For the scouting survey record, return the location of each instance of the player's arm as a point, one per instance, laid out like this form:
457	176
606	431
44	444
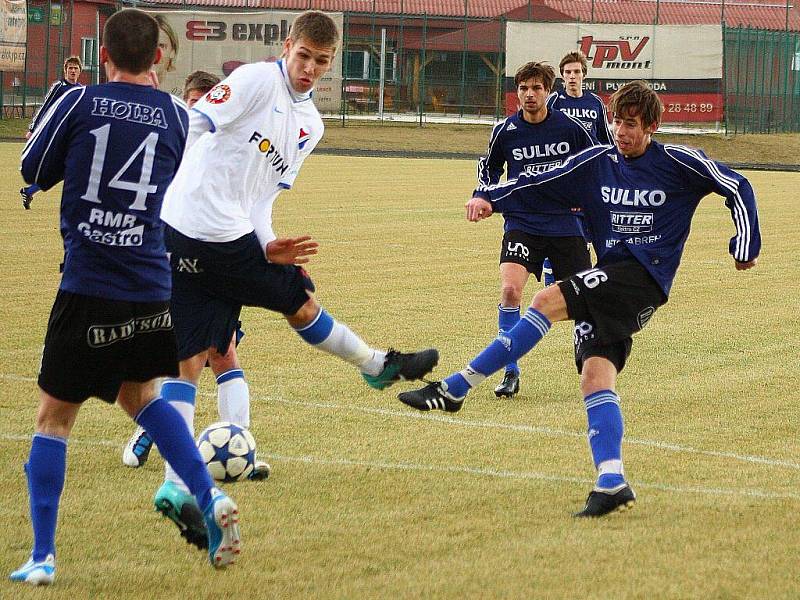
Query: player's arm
711	176
567	185
51	96
604	135
43	156
235	96
491	166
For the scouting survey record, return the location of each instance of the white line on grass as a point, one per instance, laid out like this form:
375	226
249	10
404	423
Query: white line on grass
549	431
466	470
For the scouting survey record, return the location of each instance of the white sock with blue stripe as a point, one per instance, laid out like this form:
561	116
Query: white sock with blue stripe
333	337
508	348
233	398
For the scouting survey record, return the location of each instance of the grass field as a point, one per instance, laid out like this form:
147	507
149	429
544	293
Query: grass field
371	500
782	149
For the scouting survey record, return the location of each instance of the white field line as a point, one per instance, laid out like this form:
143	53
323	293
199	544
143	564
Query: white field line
460	421
465	470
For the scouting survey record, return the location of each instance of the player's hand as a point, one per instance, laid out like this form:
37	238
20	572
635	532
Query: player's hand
28	135
291	251
743	266
477	209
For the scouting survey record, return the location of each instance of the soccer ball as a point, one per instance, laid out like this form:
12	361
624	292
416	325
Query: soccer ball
228	450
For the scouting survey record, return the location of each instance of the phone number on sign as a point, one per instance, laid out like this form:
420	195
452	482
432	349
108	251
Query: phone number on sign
692	107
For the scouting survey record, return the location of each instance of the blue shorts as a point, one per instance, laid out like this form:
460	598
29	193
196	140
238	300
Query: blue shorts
211	281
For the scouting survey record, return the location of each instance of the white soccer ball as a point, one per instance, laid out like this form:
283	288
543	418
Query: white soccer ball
228	450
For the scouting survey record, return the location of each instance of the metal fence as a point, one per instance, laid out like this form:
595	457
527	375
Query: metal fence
401	60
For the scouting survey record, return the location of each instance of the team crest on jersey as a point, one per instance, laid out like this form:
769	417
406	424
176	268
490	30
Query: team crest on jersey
219	94
304	137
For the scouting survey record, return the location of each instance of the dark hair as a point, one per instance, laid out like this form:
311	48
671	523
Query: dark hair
130	37
636	98
536	70
574	57
316	27
73	60
199	80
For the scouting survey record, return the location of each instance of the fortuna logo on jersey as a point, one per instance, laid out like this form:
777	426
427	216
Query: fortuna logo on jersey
304	137
271	153
219	94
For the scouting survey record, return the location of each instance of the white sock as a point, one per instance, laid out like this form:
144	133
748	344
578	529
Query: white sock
186	410
345	344
233	398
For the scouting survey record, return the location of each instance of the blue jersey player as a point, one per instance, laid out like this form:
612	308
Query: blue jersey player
116	147
586	107
639	199
72	72
534	140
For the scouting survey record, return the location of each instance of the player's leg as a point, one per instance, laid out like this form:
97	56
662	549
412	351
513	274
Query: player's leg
174	498
233	393
605	430
176	444
380	369
548	306
233	396
513	277
27	193
45	469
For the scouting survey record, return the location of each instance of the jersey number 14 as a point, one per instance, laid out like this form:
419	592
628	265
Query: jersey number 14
141	187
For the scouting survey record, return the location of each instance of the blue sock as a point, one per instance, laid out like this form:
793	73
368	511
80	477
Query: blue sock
605	436
228	375
32	189
531	328
46	467
169	432
507	317
547	273
318	330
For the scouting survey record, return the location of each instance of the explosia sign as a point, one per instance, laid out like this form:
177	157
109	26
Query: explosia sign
220	42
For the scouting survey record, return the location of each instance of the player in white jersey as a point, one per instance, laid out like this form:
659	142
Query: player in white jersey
248	138
233	393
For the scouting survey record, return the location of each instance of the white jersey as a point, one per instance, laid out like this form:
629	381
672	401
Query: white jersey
260	132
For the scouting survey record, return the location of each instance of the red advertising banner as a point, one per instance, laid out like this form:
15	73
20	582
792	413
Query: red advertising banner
678	108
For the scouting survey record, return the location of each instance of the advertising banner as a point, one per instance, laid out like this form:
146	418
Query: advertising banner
683	63
13	34
219	42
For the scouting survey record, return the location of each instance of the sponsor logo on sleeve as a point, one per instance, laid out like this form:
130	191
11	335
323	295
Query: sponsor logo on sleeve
219	93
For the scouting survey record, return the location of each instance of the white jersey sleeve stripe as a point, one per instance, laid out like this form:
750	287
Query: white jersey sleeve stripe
76	95
483	174
179	105
740	216
569	165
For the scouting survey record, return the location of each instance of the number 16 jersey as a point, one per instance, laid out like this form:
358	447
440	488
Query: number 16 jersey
117	147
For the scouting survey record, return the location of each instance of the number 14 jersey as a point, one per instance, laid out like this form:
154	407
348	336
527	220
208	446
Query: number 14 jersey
116	146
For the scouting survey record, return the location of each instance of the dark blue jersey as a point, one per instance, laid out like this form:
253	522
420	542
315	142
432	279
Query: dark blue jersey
117	147
588	109
641	207
517	147
54	93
